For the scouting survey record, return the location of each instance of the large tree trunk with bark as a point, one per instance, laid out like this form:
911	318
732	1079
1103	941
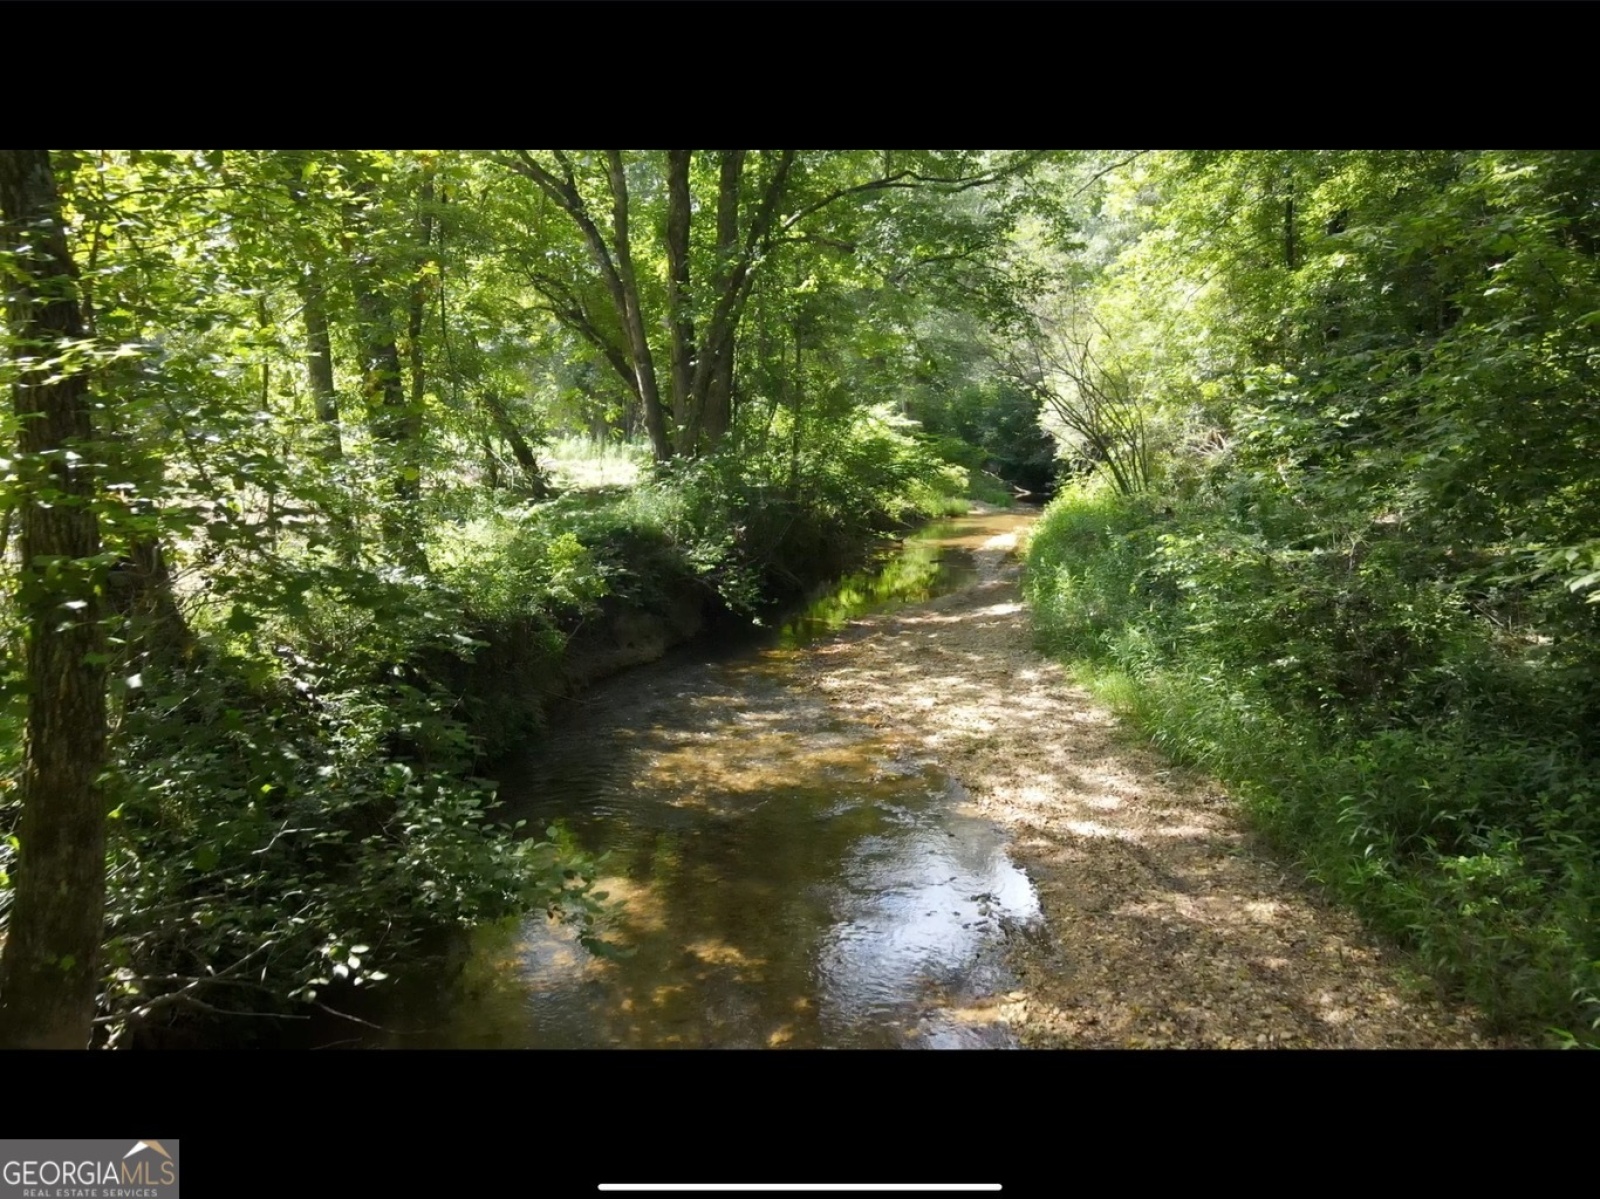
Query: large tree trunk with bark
48	973
680	324
627	298
313	288
395	422
418	305
396	425
319	360
702	327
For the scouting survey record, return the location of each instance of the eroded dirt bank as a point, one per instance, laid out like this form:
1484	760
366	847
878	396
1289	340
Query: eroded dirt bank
1164	925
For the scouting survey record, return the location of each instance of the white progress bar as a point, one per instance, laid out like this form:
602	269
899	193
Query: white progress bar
800	1186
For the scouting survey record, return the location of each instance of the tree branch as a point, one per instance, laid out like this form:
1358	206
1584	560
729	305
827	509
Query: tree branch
909	178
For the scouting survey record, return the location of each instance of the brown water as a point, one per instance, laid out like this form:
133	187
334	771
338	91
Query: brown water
786	876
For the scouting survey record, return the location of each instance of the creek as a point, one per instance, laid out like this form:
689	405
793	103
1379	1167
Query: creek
784	875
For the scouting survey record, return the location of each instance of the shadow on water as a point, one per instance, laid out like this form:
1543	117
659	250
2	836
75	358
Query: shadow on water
785	875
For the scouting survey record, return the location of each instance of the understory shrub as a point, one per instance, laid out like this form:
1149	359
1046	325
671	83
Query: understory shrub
1425	769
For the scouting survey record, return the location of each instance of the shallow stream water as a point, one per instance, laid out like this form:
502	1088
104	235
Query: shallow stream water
786	876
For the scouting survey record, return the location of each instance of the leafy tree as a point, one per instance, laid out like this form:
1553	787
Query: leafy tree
48	975
333	565
588	208
1362	588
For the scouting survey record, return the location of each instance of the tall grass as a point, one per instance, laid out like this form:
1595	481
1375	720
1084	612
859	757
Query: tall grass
587	463
1367	723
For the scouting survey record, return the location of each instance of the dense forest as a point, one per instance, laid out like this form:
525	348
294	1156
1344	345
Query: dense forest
332	477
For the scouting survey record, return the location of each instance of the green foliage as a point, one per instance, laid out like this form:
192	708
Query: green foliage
769	517
348	549
510	564
371	452
993	430
1365	720
1361	593
300	786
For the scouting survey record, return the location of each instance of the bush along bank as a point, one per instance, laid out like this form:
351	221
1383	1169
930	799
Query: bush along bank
1442	780
563	593
300	807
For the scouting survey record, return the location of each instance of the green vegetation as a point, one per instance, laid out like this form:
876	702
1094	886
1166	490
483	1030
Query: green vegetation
333	469
328	472
1351	567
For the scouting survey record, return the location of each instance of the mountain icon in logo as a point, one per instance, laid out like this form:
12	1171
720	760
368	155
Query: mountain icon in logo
155	1145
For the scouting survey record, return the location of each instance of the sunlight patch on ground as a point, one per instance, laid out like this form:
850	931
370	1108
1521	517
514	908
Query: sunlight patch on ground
998	610
1092	828
584	464
667	992
1165	927
1188	832
720	953
641	908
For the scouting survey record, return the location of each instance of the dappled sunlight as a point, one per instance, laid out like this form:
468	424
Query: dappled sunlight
1164	927
720	953
783	870
580	594
585	464
1092	828
997	610
812	845
640	908
733	777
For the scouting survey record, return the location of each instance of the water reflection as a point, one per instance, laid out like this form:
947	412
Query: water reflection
786	877
922	570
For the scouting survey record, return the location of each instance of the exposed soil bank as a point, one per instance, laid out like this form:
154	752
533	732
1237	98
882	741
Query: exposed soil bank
1164	924
525	670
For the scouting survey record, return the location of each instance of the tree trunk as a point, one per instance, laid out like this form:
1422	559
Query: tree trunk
538	487
797	385
48	974
680	326
319	360
394	425
692	428
139	589
713	376
715	400
627	295
718	403
1291	257
419	289
312	286
616	271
